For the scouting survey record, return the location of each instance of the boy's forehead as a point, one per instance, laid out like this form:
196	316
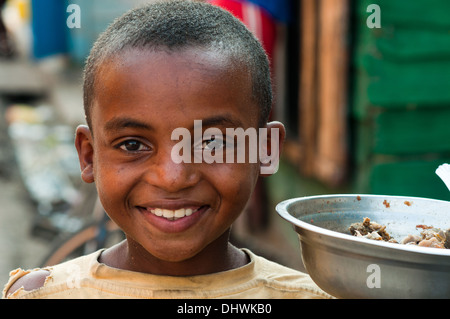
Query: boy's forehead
207	66
190	57
195	61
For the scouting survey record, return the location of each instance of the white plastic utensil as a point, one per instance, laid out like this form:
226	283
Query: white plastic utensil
443	171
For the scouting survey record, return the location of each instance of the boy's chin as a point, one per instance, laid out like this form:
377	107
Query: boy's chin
174	253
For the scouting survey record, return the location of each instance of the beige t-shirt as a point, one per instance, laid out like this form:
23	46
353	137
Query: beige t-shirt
85	277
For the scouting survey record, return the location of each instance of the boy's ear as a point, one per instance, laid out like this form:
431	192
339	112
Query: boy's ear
85	149
270	148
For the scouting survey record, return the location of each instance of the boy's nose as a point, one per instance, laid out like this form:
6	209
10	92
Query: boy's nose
170	176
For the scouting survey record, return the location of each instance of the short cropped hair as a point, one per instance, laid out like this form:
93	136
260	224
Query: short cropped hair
175	25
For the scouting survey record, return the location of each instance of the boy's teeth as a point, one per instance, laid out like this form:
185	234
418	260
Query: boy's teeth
180	213
168	213
172	214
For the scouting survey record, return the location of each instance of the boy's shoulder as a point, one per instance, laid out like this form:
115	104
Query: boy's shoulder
21	280
35	281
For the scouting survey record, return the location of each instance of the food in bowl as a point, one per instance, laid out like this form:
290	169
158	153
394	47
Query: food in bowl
428	237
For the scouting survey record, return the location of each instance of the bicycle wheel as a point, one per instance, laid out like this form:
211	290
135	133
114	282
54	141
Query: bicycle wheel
84	242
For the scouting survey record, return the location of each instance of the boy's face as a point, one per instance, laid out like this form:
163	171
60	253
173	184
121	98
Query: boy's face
142	97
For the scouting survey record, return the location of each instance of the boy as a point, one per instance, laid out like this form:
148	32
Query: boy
157	69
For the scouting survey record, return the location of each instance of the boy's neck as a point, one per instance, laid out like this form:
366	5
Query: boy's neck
218	256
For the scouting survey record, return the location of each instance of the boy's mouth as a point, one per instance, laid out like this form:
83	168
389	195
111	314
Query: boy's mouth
173	215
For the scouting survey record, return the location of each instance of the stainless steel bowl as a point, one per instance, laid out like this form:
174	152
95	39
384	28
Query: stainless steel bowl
350	267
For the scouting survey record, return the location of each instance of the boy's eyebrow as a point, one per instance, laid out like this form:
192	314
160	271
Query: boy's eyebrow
222	120
119	123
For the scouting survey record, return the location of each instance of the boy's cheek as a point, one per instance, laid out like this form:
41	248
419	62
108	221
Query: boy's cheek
236	179
233	171
112	180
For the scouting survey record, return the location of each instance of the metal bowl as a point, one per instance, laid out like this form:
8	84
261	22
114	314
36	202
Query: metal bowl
350	267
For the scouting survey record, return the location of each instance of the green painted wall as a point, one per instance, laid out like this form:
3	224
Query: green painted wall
401	97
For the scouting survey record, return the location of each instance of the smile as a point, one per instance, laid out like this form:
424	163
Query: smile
173	214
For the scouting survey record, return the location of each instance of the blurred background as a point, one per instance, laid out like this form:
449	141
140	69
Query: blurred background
363	87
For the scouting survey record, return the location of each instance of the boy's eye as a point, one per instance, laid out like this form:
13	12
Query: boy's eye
133	146
214	142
